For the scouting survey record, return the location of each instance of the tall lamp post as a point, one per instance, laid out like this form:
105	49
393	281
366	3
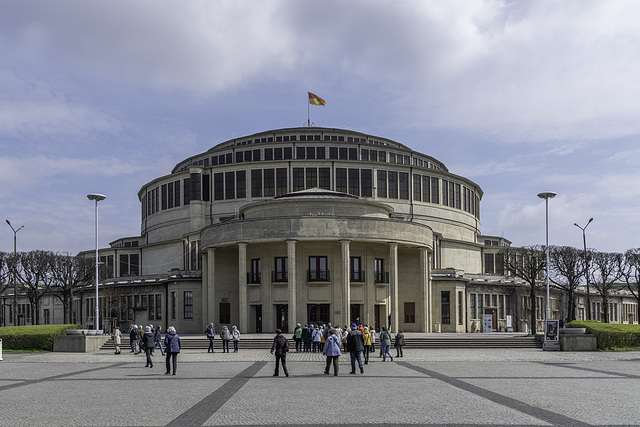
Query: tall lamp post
97	198
546	196
15	281
586	265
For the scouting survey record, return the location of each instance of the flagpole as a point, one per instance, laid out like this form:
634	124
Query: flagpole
308	115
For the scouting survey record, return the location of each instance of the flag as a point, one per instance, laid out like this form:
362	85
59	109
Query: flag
315	99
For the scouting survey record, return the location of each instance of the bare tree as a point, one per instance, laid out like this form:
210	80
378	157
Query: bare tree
35	277
526	263
115	300
631	272
567	269
69	273
605	272
5	273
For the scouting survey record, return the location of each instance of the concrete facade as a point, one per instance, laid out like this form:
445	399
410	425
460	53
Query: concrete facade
307	225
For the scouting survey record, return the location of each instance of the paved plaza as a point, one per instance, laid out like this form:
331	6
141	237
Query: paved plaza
426	387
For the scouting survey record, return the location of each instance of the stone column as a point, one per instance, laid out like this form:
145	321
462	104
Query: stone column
430	308
210	310
424	277
291	282
242	286
346	283
393	284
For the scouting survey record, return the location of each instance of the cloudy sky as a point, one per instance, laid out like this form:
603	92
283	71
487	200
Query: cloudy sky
520	97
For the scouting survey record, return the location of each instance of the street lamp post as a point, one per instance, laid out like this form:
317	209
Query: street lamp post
97	198
546	196
586	265
15	281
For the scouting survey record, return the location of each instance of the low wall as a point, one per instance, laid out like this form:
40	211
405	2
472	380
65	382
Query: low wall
79	343
578	342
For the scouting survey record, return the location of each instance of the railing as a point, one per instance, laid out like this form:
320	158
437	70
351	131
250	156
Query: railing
381	277
279	276
357	276
318	275
254	278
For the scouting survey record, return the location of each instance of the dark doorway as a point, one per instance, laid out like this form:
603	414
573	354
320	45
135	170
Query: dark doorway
377	317
258	317
282	317
225	313
355	313
318	314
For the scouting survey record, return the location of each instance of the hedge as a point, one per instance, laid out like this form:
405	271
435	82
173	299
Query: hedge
610	335
36	337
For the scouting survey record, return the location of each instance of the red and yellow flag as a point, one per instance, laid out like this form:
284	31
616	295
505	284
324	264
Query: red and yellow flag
315	99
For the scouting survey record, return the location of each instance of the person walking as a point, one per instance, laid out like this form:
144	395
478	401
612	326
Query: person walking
331	349
385	344
133	339
235	334
116	338
172	346
355	345
148	341
157	334
211	333
225	336
399	343
367	345
280	347
373	339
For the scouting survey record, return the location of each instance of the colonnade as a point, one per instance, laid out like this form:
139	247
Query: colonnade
210	287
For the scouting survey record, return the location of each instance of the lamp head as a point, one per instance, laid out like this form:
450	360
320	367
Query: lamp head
95	196
8	222
547	195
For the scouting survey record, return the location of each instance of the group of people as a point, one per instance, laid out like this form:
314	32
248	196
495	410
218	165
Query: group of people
357	340
225	336
148	341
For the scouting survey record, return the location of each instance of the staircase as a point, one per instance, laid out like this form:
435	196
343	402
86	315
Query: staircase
417	341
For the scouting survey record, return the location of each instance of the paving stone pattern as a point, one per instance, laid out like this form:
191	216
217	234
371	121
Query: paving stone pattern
426	387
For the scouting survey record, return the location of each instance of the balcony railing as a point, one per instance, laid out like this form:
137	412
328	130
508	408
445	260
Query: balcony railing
381	277
279	276
254	278
357	276
318	276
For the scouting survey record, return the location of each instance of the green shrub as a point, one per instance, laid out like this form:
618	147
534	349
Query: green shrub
36	337
610	335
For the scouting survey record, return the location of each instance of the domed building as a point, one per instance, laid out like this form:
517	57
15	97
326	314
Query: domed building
305	225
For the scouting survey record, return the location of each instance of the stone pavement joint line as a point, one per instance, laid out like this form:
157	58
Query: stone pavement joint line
550	417
58	377
199	413
599	371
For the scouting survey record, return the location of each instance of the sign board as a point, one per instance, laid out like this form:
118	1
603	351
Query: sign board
509	324
487	323
551	330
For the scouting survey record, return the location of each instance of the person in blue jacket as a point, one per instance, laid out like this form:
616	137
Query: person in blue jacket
172	346
332	350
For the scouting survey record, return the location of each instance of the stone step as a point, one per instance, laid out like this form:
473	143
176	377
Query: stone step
257	343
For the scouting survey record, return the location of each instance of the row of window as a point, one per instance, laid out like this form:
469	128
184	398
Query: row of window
479	303
128	265
318	271
275	182
312	152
